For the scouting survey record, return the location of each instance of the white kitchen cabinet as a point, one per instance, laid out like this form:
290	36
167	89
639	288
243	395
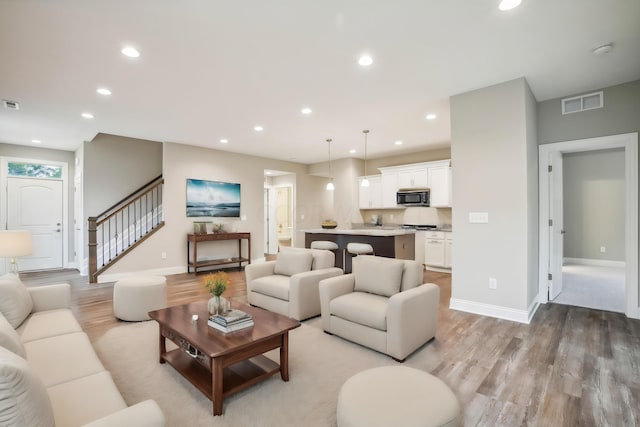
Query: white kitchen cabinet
437	251
389	190
434	252
448	244
413	177
440	186
371	196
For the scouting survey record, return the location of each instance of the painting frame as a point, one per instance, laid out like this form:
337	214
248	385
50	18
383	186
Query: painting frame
212	199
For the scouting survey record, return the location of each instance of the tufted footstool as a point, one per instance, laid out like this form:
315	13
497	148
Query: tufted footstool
397	396
135	296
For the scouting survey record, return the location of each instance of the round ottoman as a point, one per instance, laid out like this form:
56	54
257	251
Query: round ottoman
397	396
135	296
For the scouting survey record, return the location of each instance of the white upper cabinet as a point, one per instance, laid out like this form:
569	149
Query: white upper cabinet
413	177
371	196
440	185
389	190
433	175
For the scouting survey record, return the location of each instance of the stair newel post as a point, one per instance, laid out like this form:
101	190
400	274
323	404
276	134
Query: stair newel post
93	249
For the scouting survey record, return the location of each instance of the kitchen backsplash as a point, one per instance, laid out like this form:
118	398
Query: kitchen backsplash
410	215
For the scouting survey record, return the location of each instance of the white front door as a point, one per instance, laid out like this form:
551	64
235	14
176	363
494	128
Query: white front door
35	204
556	229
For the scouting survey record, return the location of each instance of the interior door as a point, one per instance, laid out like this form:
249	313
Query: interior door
556	229
271	227
35	204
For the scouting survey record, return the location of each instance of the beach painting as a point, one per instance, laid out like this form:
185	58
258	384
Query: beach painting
212	199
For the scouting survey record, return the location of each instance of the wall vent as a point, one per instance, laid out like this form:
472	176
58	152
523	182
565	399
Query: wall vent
586	102
10	105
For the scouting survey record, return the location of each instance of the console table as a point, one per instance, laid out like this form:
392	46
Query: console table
196	239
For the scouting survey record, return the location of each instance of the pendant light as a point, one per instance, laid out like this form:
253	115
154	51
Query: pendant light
330	186
365	181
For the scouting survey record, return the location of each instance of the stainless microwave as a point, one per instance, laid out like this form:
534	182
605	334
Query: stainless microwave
413	197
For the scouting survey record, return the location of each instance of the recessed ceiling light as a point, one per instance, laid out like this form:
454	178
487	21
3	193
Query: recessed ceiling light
431	116
267	173
353	151
103	91
224	141
509	4
365	60
602	49
36	141
131	52
87	115
258	128
306	110
398	142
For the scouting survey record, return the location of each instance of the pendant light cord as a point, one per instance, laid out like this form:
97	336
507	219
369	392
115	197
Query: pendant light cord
329	144
366	131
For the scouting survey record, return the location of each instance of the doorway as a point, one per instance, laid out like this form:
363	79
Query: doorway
35	200
558	279
279	225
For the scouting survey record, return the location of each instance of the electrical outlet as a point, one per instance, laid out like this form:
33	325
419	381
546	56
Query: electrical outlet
163	255
243	218
493	283
603	249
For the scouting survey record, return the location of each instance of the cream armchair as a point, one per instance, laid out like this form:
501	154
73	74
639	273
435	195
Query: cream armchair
289	285
382	305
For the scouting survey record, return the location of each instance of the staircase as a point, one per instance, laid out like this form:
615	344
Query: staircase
118	230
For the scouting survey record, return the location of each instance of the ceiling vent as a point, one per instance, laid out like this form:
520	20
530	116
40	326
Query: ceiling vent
589	101
10	105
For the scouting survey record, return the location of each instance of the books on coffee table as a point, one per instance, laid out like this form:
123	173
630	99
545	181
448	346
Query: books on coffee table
233	320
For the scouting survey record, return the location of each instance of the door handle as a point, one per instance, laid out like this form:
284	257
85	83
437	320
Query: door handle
58	230
562	231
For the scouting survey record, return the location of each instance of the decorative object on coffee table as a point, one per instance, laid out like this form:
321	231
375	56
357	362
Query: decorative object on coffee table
233	320
216	283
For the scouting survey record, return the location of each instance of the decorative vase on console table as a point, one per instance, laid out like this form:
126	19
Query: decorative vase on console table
216	283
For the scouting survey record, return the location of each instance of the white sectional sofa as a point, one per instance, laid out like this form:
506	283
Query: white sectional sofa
49	373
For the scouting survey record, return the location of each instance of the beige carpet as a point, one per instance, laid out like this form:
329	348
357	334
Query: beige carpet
318	366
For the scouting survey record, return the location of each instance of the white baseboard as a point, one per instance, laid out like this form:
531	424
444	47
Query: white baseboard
594	262
520	316
104	278
437	269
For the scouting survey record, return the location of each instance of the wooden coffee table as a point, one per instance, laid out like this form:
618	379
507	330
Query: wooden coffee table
220	364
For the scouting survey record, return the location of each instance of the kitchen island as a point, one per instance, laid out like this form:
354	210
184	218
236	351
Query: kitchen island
391	243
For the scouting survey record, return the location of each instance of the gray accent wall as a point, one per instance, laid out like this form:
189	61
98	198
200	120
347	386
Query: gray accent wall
620	114
594	201
114	167
494	156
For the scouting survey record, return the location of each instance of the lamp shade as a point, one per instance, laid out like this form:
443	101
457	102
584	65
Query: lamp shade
15	243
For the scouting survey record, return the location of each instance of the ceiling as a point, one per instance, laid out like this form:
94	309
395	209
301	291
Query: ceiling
215	69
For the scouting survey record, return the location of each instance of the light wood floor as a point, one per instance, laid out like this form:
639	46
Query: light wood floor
570	367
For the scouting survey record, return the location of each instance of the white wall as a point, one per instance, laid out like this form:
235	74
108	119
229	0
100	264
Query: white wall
184	161
491	150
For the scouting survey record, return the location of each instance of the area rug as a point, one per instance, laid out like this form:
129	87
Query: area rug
318	366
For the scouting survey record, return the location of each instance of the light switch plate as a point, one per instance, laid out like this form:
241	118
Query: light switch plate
478	217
